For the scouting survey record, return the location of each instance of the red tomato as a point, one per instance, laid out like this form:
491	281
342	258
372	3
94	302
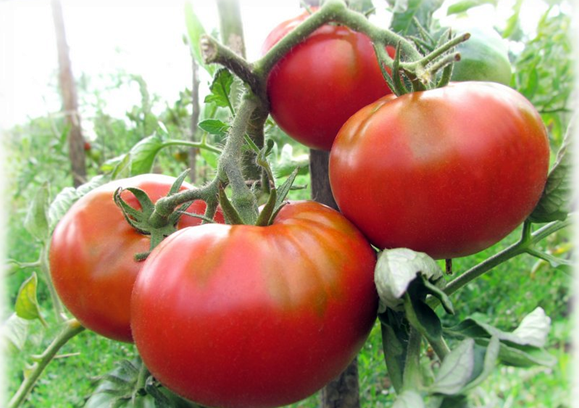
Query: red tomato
323	81
449	171
92	254
245	316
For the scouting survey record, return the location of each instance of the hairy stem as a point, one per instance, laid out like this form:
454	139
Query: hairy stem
71	329
518	248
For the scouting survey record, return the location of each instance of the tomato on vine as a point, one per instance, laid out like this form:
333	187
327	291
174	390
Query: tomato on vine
248	316
449	171
92	254
324	80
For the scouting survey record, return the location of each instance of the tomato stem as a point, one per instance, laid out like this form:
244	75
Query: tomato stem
527	240
72	328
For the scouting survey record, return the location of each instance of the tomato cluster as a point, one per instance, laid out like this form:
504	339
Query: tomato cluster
92	254
246	316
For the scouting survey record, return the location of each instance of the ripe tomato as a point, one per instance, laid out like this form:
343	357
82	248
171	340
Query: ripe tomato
449	171
323	81
245	316
92	254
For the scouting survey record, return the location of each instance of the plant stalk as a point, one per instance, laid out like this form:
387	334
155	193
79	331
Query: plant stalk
71	329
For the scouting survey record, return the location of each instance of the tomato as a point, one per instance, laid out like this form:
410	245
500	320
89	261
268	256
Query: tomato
484	57
449	171
323	81
92	254
237	316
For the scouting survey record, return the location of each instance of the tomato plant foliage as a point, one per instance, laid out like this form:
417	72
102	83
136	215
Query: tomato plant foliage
268	308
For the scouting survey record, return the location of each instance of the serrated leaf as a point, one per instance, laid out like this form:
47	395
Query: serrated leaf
397	268
456	369
532	331
143	154
406	11
465	5
36	221
13	334
195	30
214	127
557	199
220	88
409	399
26	305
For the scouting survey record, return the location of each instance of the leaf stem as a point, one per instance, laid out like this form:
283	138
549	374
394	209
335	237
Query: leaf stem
195	145
71	329
527	240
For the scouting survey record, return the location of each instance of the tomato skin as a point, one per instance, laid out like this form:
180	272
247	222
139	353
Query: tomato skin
92	254
484	57
324	80
449	171
245	316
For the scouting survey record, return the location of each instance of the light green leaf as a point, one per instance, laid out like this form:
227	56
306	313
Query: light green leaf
194	32
409	399
557	199
13	334
36	221
143	154
26	305
456	369
397	268
214	127
465	5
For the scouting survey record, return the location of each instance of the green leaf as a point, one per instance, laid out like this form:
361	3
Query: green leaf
211	158
36	221
397	268
409	399
522	348
465	5
220	88
522	356
13	334
556	201
214	127
287	163
456	369
405	12
26	305
513	24
489	357
532	331
121	168
194	32
394	344
421	316
143	154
